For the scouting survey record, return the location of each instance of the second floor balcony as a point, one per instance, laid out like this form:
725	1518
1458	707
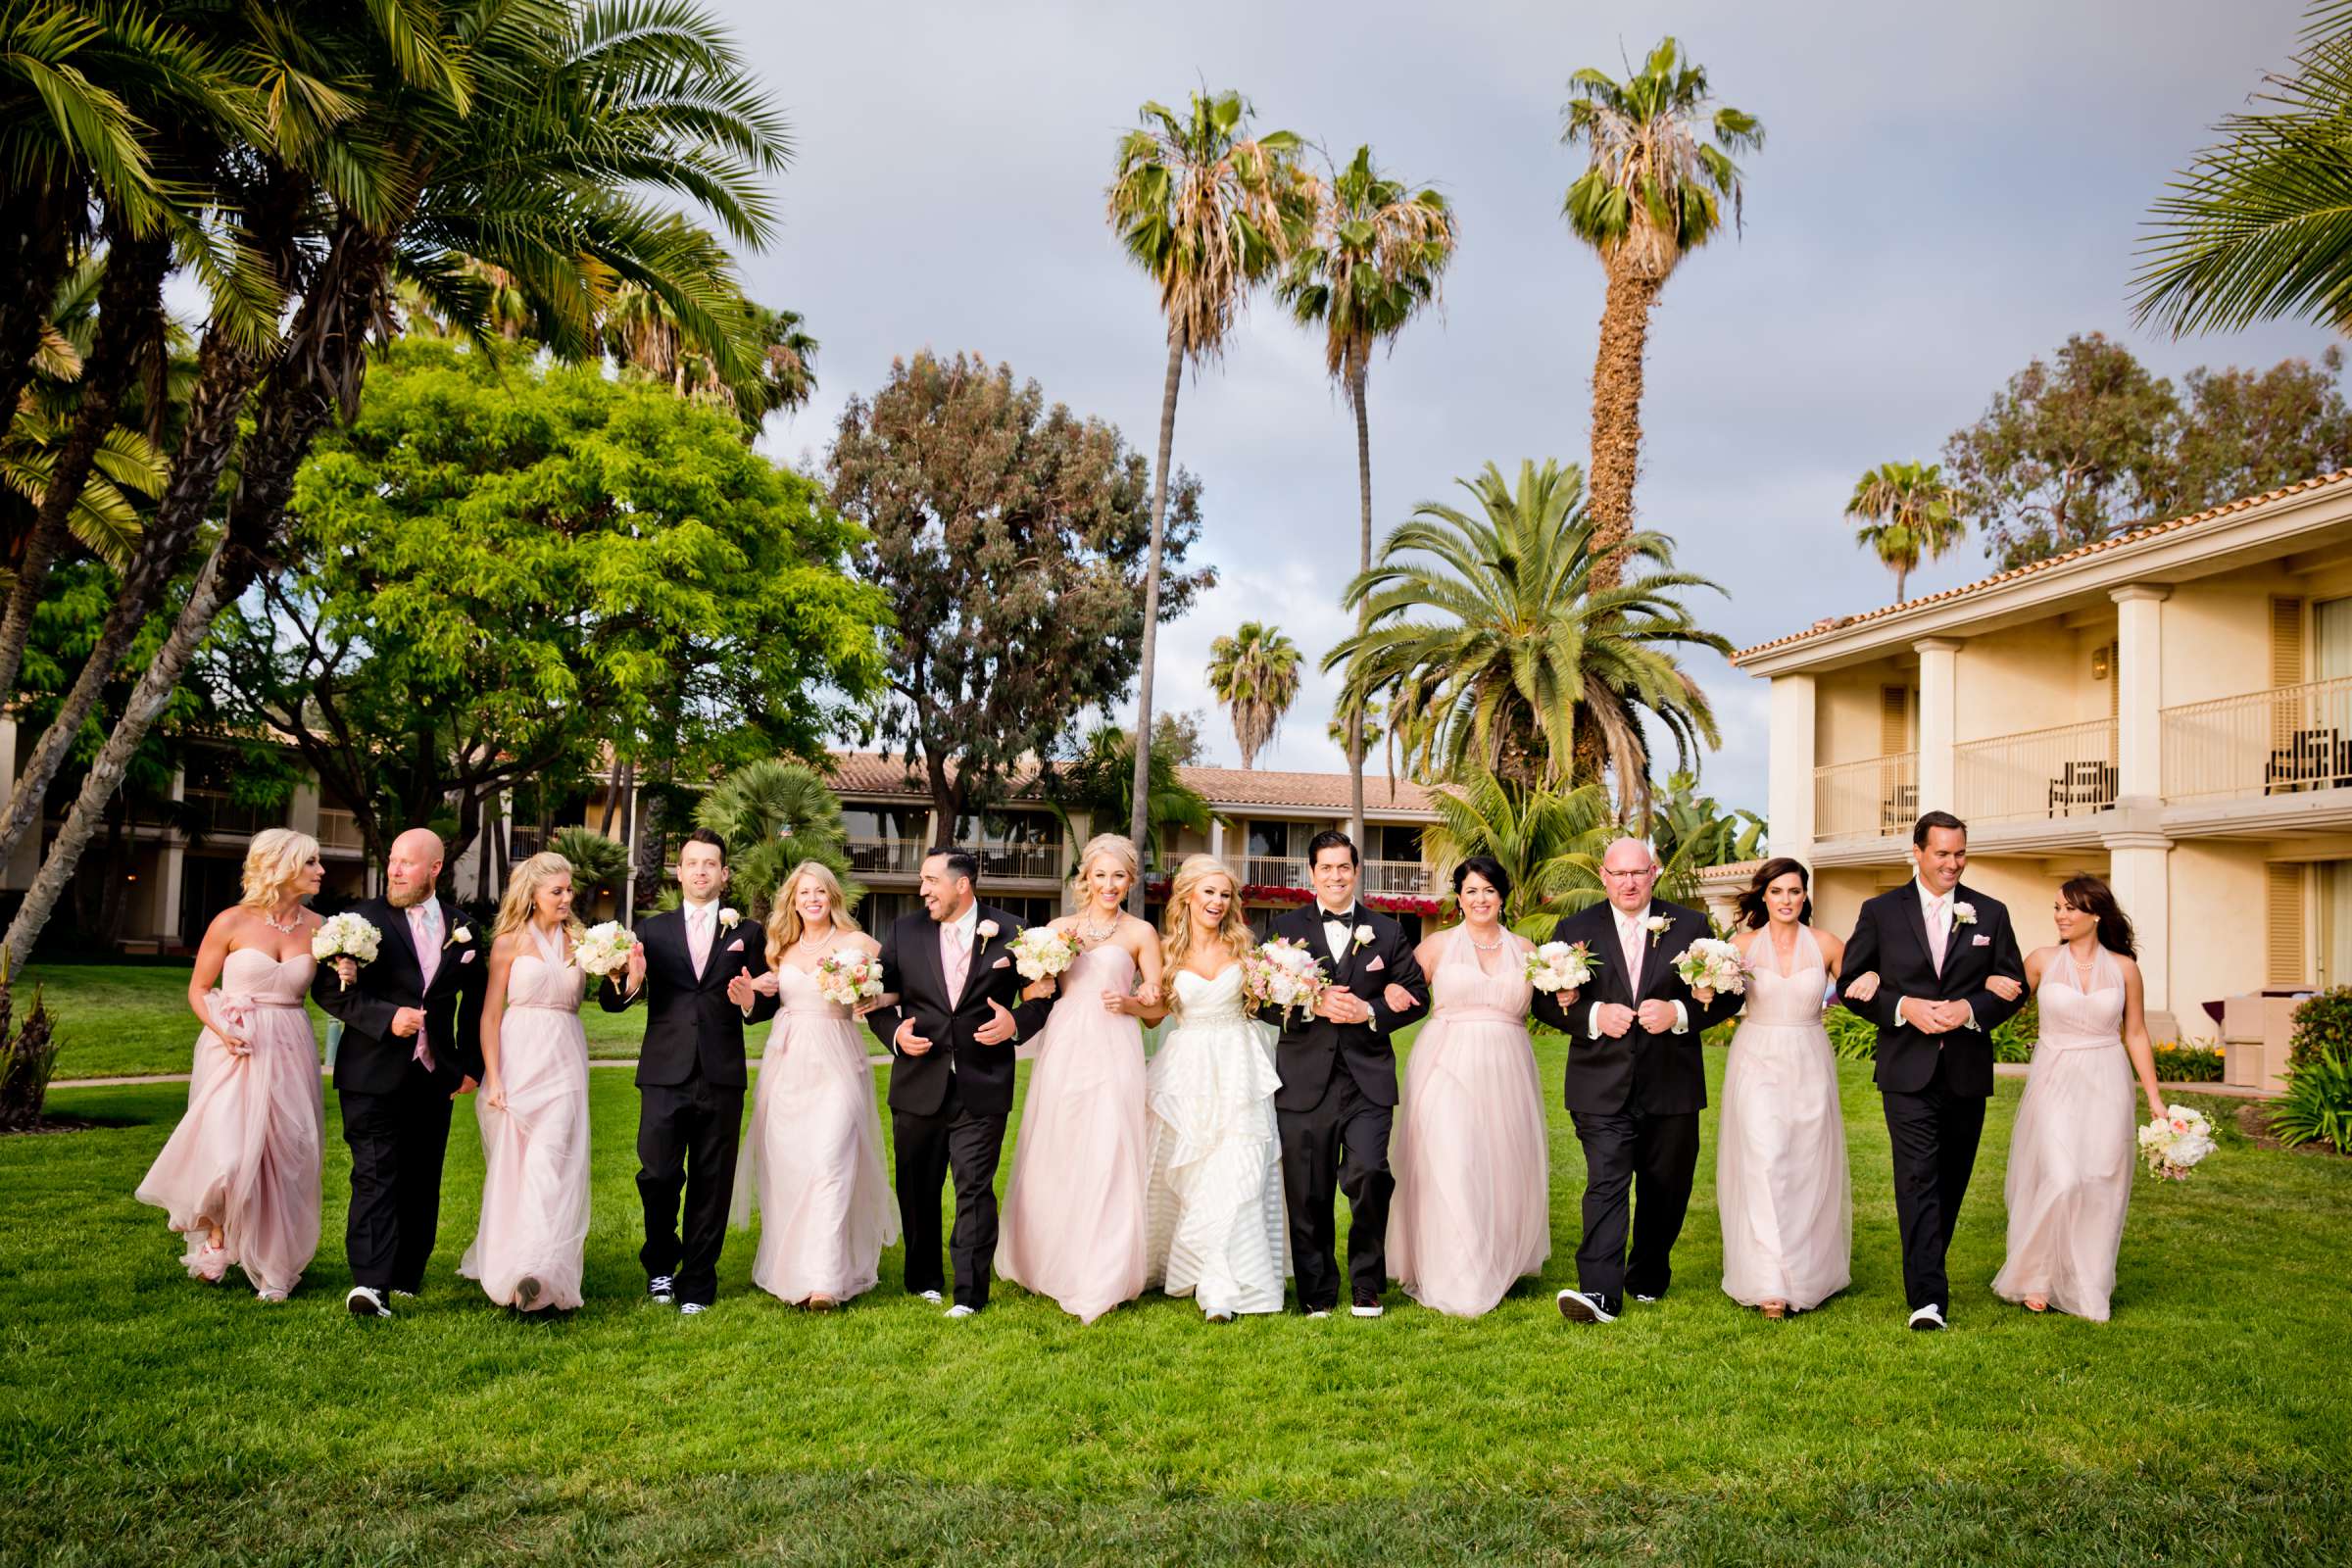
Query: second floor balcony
1377	876
2290	740
2063	771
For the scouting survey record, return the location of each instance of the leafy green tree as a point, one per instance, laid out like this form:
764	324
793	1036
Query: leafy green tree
2244	431
1549	841
1254	673
1495	651
1691	831
1011	539
774	814
1373	263
1179	735
1660	167
1903	512
1209	211
496	573
599	865
1099	779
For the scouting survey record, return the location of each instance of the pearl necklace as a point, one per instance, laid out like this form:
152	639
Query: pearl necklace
1488	947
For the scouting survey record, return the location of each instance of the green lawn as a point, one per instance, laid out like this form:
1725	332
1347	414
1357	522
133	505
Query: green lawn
149	1419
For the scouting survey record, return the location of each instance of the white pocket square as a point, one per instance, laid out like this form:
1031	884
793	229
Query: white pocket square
1002	963
735	946
1377	963
467	957
1980	942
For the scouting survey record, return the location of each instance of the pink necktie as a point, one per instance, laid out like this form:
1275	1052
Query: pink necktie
1935	932
955	960
698	939
1629	934
425	933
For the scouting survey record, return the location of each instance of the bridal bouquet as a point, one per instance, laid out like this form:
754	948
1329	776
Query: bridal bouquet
345	936
604	950
1560	966
1710	964
1038	952
845	979
1284	973
2175	1140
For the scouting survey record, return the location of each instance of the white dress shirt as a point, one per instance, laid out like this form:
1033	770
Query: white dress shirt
1632	931
1339	934
1937	911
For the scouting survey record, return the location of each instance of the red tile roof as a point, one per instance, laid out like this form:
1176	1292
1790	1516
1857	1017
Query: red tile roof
2111	542
885	773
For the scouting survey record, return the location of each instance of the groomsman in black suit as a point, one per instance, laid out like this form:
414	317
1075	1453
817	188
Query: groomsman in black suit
1636	1081
952	1034
1934	944
1338	1082
412	1043
694	967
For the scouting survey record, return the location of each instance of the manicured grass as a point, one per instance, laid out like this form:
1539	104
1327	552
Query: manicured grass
145	1418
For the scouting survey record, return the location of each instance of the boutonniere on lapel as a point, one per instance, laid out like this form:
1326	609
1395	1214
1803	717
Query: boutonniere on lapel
727	918
1363	938
1656	926
986	930
459	936
1964	914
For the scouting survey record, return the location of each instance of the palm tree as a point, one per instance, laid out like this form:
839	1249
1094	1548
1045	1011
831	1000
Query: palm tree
774	814
1660	162
2259	226
1904	511
1099	781
1377	255
1210	212
1254	673
1496	651
1548	841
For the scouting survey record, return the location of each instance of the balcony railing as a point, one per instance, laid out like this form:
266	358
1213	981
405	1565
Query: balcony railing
213	811
2065	771
1394	876
2279	742
1273	872
1377	876
339	829
1866	800
902	855
1032	861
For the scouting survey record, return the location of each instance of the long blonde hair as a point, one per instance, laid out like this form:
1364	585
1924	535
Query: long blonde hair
523	883
1176	922
1121	848
784	918
274	861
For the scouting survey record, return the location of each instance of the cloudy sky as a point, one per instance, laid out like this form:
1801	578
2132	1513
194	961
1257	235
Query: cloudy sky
1947	192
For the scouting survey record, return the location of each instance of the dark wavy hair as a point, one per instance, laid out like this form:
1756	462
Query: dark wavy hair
1752	912
2094	898
1485	865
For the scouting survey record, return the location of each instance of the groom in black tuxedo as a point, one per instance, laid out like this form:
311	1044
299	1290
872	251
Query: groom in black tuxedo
1338	1082
1636	1081
1933	944
951	1033
412	1042
694	967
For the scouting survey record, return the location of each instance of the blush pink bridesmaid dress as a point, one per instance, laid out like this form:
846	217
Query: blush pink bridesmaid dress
530	1251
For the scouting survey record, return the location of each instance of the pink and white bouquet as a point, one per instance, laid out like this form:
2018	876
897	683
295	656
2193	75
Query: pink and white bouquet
345	936
1040	953
2175	1140
604	950
1714	965
1560	966
845	979
1284	973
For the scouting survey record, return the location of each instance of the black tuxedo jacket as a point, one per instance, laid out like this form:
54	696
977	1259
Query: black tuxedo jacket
1891	937
1312	1048
689	1022
982	1075
1654	1074
373	1060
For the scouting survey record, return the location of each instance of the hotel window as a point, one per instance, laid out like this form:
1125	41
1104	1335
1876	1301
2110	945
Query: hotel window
1270	840
2335	923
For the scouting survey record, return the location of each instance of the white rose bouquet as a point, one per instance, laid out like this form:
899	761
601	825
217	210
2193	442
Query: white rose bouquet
1284	973
1710	964
2175	1140
1038	952
845	979
1560	966
345	936
604	950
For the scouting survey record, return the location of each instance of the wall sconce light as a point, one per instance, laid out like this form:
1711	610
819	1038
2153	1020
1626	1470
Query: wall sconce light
2098	664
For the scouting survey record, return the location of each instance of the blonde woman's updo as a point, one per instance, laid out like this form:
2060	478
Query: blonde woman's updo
1176	922
1118	847
522	893
274	863
784	914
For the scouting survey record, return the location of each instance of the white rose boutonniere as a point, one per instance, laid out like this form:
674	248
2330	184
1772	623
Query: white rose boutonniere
727	918
1964	914
460	937
1364	935
987	930
1656	926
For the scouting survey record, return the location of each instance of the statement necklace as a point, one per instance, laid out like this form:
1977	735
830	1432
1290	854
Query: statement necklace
291	926
1094	934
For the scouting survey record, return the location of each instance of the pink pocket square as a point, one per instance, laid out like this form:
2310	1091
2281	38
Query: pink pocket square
467	957
1002	963
1375	965
1980	942
735	946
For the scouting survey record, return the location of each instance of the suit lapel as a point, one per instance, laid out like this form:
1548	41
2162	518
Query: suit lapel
1916	918
1613	952
1343	967
981	915
396	932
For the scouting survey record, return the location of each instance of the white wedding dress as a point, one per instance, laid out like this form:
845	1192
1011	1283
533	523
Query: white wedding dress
1214	1210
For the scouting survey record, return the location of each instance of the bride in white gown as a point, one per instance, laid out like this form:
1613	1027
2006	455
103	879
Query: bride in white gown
1214	1205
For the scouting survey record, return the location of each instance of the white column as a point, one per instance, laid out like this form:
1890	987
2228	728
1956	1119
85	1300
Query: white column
171	865
1790	758
25	864
2138	871
2139	691
1938	672
1217	835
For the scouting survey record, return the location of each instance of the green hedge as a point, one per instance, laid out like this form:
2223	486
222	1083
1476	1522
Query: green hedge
2178	1063
2317	1107
2322	1025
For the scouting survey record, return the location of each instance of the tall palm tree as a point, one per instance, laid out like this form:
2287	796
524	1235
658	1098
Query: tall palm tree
1210	212
1254	673
1660	161
1904	511
1494	649
2259	225
774	814
1377	253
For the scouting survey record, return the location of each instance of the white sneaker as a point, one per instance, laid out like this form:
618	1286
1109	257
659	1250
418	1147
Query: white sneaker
403	1295
1369	1309
933	1297
661	1290
694	1308
1577	1307
960	1311
1645	1300
366	1302
1928	1319
1324	1313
